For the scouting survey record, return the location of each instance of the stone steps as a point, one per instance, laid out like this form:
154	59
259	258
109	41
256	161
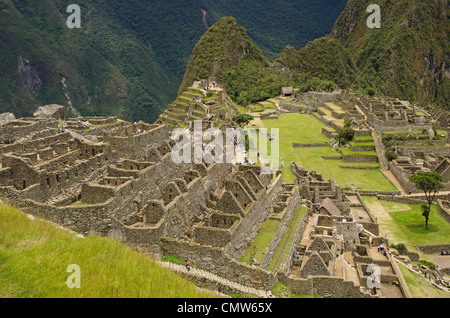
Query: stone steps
180	269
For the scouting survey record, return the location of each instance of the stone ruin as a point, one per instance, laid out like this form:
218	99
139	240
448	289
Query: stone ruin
118	179
405	166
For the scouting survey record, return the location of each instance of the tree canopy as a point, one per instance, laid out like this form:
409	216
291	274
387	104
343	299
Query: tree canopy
430	183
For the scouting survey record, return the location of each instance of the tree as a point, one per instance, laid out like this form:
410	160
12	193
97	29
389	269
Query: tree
243	119
346	134
430	184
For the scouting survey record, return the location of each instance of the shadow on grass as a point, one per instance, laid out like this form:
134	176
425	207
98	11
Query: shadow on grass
420	228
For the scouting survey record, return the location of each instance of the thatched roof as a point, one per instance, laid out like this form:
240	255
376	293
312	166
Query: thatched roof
330	207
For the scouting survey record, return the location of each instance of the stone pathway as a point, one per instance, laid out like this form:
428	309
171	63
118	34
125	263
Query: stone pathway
180	269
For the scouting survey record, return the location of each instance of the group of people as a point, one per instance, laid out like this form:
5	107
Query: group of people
138	131
61	130
382	249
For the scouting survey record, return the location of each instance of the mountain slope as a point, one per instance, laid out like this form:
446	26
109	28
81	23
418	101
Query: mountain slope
409	57
225	52
128	58
324	58
222	47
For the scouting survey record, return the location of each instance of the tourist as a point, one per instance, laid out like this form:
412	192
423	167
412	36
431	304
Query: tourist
409	191
188	264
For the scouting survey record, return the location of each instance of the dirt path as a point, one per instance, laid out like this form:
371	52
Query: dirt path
388	174
205	18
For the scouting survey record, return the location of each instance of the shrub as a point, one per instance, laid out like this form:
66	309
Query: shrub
391	155
428	264
346	134
400	247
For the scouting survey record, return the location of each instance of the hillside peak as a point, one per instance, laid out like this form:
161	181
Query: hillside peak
223	46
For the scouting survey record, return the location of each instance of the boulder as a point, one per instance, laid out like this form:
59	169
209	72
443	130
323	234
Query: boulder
54	111
6	118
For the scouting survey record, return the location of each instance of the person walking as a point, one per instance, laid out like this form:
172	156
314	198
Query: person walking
188	264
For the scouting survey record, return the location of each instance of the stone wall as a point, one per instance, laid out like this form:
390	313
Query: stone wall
248	228
444	209
217	262
291	208
20	128
433	249
360	158
325	286
296	108
81	219
286	269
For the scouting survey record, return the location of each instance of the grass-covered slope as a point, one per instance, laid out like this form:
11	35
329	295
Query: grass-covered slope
35	255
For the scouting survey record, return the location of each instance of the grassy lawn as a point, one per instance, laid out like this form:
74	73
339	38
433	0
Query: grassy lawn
419	287
35	255
335	108
306	129
261	242
285	244
367	138
404	223
242	110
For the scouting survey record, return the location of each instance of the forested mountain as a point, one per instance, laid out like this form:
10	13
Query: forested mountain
128	58
408	57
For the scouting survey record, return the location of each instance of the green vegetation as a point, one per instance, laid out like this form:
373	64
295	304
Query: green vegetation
419	286
243	119
404	223
259	245
411	41
283	249
306	129
430	183
346	134
34	256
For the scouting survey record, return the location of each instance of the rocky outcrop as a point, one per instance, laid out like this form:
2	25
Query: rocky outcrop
53	111
6	118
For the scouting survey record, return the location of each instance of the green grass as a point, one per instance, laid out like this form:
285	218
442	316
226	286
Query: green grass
259	245
242	110
419	287
335	108
362	144
368	138
404	223
305	129
348	152
34	256
284	247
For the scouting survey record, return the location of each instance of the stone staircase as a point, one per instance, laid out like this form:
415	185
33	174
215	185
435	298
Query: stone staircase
200	273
